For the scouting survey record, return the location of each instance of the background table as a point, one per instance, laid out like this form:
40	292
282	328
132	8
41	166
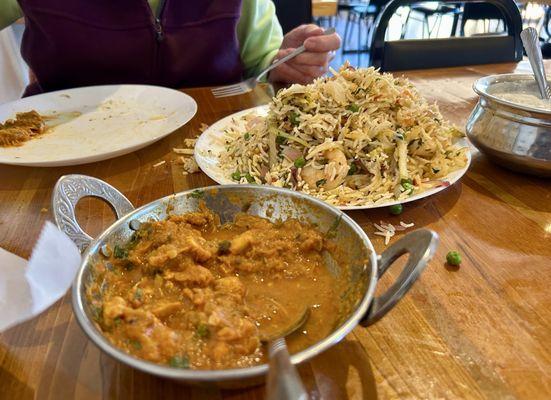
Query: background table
480	331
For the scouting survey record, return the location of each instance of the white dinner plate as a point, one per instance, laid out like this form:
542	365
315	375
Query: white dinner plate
96	123
211	143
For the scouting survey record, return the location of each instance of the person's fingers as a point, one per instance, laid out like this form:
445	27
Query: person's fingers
306	61
302	69
306	58
309	30
309	58
323	43
297	36
310	70
283	52
288	74
297	73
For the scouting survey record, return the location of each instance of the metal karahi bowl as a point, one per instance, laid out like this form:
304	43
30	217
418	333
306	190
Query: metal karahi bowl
513	135
228	200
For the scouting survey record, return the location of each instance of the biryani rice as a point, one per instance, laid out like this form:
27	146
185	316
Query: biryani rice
368	137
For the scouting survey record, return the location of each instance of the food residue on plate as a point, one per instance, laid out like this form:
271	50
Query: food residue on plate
25	126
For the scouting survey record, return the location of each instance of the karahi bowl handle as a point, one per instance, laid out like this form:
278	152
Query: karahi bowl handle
421	246
69	190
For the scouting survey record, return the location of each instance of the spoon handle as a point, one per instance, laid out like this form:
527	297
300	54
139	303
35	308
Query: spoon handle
530	41
283	379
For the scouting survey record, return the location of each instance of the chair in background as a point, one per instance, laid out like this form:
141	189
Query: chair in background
292	13
532	12
362	14
546	47
547	21
450	52
482	12
435	10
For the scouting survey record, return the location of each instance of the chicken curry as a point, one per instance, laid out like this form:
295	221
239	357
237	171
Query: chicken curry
190	292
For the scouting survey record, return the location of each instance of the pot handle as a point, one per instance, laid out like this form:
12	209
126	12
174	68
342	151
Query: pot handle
421	246
68	191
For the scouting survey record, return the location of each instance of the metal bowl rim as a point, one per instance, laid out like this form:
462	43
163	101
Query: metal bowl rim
491	79
226	374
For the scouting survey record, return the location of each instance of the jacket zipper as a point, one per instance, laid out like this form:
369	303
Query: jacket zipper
157	20
156	16
158	30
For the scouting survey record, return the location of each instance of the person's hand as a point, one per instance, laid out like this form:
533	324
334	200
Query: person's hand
311	64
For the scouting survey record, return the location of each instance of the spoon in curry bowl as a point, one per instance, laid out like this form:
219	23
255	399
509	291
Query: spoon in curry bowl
283	379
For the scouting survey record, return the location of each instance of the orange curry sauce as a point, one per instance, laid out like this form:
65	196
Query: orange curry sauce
191	293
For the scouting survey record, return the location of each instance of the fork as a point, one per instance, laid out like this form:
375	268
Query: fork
249	84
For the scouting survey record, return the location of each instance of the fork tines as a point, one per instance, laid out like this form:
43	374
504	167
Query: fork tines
231	90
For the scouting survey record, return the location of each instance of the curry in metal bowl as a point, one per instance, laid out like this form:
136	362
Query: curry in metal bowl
191	292
188	291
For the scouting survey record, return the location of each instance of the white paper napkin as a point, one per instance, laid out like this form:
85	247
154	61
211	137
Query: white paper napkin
27	289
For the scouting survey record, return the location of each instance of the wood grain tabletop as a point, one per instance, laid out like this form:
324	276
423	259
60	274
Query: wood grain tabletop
479	331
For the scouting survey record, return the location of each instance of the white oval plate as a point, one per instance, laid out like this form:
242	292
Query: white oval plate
97	122
211	143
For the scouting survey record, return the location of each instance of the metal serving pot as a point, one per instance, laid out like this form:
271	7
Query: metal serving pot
366	267
515	136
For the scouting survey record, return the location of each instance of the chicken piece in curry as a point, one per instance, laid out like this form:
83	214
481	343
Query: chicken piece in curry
190	292
24	127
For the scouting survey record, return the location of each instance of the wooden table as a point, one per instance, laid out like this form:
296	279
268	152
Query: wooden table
480	331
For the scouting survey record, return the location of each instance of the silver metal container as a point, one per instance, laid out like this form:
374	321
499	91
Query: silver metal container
366	267
515	136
